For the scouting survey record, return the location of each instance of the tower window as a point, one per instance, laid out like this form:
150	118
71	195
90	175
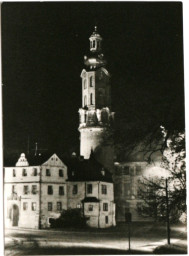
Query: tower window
85	84
91	98
91	81
94	44
13	189
98	44
106	219
85	100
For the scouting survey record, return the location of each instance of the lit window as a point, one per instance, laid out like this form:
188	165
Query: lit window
94	44
59	206
34	189
89	188
91	98
34	171
61	173
50	206
104	189
61	190
33	206
85	100
25	206
105	206
85	83
90	208
24	172
14	173
50	190
106	219
26	191
48	173
75	189
91	81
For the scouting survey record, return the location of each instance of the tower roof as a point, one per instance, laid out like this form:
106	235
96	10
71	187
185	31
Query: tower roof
95	34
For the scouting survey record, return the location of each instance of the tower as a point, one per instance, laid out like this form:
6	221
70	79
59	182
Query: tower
96	118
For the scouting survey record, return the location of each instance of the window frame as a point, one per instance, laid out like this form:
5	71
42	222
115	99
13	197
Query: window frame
90	207
25	206
24	172
105	207
89	188
59	206
48	172
75	189
34	206
50	190
61	193
34	189
61	173
26	189
104	189
13	173
49	206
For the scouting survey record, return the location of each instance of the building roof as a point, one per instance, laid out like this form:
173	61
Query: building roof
87	170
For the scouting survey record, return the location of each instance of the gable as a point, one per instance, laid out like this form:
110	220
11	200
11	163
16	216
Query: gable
54	160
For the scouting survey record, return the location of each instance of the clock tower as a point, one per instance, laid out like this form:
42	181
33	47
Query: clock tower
96	117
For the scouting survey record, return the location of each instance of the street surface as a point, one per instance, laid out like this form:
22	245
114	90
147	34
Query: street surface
144	239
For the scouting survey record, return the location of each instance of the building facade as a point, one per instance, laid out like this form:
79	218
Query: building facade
34	194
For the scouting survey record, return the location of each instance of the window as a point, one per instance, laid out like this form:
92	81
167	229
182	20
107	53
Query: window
25	206
61	191
85	100
89	188
78	206
34	171
48	173
14	173
98	44
24	172
33	206
61	173
138	170
126	170
50	190
26	191
74	191
90	208
106	219
91	99
34	189
13	189
91	81
94	44
50	206
105	206
59	206
104	189
85	83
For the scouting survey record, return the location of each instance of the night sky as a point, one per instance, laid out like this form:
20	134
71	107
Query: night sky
43	45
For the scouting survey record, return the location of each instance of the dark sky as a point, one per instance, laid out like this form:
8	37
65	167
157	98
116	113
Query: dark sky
43	45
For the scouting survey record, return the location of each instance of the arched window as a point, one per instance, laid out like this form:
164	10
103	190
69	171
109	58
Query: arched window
91	98
91	81
85	84
94	44
85	100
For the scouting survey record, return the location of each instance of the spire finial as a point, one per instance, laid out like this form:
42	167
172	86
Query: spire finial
95	28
